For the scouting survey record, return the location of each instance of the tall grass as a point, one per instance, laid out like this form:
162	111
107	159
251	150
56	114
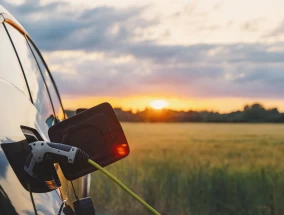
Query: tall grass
198	169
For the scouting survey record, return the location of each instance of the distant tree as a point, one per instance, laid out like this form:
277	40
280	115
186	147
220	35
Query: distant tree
70	113
251	113
257	106
255	113
247	107
274	111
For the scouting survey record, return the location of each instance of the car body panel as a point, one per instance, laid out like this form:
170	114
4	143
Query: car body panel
16	110
11	133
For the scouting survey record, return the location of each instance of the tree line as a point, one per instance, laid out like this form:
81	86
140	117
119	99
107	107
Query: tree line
254	113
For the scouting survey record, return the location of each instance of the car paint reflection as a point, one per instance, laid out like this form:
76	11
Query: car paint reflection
12	116
13	195
6	206
3	165
46	203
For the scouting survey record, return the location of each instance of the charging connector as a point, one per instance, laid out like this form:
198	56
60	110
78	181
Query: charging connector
42	152
47	152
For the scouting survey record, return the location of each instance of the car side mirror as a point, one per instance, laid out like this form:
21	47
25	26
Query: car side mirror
96	131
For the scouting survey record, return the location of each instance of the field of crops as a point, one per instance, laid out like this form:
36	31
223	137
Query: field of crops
197	169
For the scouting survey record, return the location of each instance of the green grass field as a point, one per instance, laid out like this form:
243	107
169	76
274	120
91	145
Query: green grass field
197	169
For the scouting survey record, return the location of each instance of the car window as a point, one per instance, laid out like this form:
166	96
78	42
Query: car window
10	69
54	97
35	81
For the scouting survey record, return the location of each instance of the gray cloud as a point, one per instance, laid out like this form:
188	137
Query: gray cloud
187	79
278	31
89	29
250	26
253	25
206	70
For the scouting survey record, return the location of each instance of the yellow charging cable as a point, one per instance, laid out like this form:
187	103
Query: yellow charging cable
124	187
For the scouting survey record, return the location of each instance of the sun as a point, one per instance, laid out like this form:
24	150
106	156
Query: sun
159	104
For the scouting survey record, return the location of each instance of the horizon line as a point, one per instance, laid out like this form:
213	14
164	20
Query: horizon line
135	110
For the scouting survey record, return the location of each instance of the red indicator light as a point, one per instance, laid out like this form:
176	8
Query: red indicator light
121	150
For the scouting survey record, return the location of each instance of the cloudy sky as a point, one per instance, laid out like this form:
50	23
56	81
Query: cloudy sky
196	54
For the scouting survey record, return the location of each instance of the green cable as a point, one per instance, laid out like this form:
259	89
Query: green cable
124	187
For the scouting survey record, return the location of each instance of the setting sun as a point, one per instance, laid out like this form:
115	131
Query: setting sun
159	104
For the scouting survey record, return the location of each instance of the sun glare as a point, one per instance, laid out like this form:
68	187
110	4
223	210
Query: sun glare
159	104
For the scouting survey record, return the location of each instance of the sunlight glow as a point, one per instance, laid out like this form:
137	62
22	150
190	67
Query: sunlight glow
159	104
139	103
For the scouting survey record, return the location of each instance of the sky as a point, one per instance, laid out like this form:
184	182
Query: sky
196	54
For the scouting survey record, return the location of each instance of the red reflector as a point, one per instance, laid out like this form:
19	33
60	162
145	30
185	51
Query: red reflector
122	151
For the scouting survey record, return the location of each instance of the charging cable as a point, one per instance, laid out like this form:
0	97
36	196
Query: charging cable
124	187
42	151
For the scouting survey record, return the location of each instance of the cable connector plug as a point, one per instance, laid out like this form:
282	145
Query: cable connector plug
81	157
42	151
